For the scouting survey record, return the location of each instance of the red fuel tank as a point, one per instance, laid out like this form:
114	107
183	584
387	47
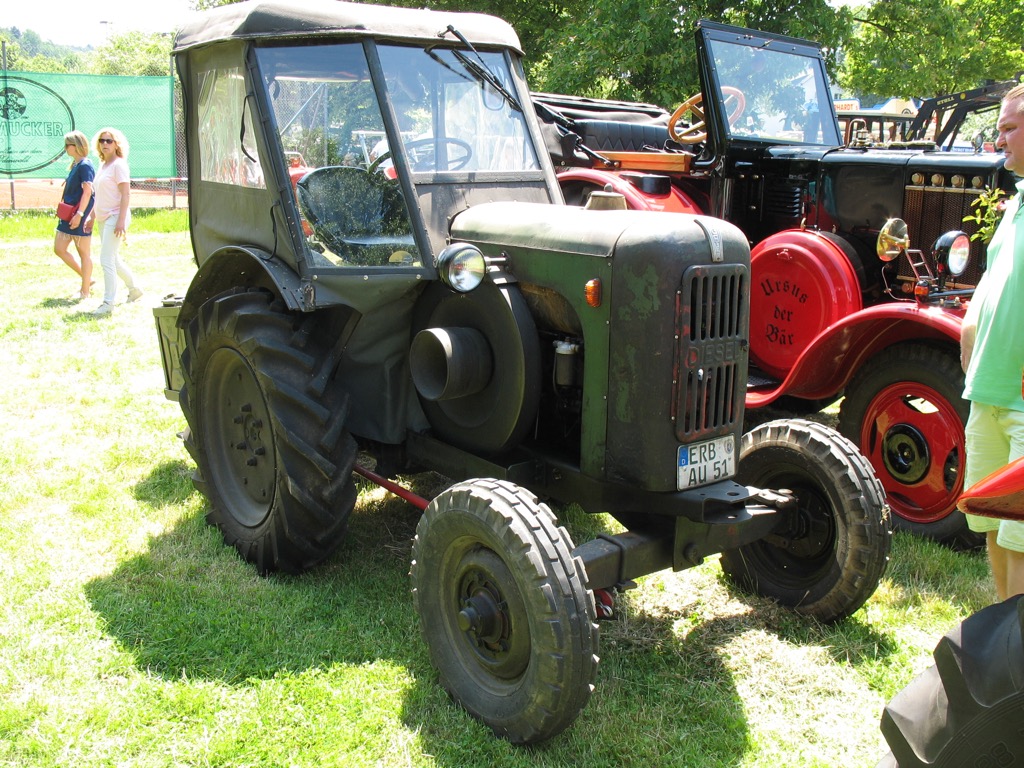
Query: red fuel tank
802	283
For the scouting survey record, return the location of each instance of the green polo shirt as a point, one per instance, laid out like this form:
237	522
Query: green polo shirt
994	376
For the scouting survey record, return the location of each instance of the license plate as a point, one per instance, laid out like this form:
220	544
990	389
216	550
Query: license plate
706	462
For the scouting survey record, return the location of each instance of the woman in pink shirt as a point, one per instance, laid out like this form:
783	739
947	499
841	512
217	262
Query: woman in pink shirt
113	215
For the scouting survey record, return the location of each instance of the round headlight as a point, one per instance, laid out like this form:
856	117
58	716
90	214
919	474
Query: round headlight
461	267
954	250
960	255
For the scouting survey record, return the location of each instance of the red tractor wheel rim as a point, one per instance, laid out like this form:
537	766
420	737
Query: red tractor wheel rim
914	439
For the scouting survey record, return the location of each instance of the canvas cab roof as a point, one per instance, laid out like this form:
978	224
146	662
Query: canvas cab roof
256	19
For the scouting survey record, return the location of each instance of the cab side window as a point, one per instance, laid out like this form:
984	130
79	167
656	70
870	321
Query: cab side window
227	155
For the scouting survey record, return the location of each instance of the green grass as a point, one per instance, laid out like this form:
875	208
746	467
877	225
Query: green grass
130	636
17	226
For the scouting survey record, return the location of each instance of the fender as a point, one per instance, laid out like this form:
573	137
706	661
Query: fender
242	267
828	363
637	200
1000	494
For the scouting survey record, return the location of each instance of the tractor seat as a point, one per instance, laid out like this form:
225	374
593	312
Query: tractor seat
613	136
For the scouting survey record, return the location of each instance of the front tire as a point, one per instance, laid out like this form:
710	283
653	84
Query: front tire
267	431
827	555
904	410
966	709
504	609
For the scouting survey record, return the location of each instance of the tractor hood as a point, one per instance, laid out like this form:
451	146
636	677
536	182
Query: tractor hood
671	307
566	229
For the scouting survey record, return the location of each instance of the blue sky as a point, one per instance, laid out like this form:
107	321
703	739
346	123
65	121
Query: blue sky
74	22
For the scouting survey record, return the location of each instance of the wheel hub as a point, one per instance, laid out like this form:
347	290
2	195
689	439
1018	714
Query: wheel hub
239	439
251	452
914	437
807	533
490	617
905	453
483	616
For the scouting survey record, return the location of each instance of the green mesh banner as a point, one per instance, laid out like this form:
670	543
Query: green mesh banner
37	109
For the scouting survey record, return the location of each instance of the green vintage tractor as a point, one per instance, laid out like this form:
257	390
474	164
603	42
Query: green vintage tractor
389	281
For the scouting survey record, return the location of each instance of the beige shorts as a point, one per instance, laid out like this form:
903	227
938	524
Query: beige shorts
995	437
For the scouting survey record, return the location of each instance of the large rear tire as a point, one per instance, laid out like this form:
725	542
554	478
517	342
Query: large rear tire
826	556
267	431
966	709
504	609
904	410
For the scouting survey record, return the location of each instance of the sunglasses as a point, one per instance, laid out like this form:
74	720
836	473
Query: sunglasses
106	141
69	145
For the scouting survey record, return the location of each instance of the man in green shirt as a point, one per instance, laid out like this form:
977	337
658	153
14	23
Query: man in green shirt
992	353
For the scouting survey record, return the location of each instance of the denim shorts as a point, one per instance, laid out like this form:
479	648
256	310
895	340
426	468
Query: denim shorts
994	437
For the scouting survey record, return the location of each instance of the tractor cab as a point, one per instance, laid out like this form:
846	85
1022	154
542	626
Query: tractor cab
380	142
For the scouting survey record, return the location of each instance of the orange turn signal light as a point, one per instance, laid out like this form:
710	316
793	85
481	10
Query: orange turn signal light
592	291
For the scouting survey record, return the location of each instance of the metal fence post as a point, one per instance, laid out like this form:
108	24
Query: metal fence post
3	51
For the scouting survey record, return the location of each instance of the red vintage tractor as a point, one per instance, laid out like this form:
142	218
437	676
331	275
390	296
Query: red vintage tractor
859	281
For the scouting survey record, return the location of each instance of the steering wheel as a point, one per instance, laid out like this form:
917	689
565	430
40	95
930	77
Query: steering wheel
694	133
422	154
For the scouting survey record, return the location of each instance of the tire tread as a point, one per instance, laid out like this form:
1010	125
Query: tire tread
315	491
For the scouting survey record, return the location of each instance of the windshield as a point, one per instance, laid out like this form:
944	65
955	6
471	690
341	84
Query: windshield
455	111
451	118
353	213
775	96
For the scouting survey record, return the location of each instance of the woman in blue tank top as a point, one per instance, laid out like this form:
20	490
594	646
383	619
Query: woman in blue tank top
78	192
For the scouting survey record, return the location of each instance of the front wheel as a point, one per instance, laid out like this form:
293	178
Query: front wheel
827	555
966	709
504	609
904	410
267	432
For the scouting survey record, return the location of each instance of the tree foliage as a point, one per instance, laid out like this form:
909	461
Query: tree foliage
29	45
131	53
28	52
932	47
11	48
644	49
531	19
134	53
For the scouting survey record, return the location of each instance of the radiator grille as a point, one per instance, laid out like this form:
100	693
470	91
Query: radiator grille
783	201
711	367
930	211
